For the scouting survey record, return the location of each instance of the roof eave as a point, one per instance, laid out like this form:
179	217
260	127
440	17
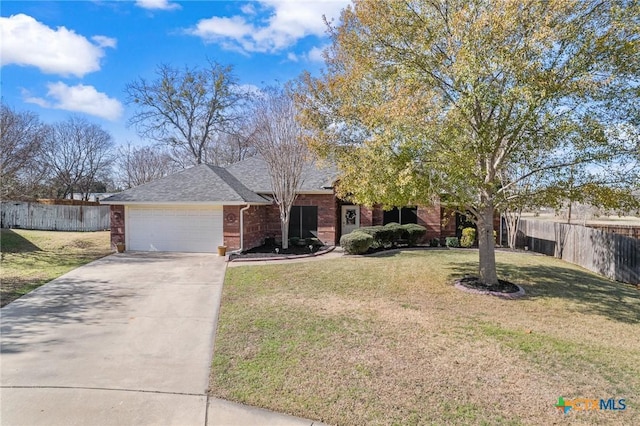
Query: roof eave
305	192
186	203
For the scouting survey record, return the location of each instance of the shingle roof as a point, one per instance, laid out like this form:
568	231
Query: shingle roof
201	184
254	174
238	183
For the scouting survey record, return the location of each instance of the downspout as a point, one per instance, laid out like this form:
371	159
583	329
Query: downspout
242	210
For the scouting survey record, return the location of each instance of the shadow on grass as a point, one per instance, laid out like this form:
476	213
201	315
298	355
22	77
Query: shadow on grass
404	251
594	295
10	242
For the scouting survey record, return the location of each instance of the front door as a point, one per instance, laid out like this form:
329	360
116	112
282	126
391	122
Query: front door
350	218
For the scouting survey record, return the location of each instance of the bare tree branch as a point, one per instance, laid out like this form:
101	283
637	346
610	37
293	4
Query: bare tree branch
278	139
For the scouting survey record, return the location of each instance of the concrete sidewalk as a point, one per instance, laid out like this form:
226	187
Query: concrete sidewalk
125	340
225	413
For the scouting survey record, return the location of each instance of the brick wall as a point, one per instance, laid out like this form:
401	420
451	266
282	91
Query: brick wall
448	228
231	227
429	217
366	216
327	214
117	225
378	216
261	222
256	226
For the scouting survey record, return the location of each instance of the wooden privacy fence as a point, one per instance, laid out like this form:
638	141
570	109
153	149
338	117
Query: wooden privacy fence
611	255
627	230
45	217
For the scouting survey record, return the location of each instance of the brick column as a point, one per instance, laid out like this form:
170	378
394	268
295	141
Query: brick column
116	214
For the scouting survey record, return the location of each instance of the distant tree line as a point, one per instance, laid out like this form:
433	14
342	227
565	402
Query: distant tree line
186	116
39	160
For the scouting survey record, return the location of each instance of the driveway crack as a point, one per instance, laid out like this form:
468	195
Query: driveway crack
105	389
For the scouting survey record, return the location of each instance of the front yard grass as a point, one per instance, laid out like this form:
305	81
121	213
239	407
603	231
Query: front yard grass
389	340
33	258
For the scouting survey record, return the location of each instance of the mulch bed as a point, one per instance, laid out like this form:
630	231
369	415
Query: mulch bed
504	289
271	251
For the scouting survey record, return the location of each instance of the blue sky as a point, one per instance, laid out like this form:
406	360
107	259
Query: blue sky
75	57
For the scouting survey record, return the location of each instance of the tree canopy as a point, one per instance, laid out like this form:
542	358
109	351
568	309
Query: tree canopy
21	137
78	154
187	109
471	98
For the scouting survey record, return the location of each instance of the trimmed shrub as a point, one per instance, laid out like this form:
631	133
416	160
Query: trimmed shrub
452	242
375	232
356	242
434	242
396	232
414	232
386	235
468	237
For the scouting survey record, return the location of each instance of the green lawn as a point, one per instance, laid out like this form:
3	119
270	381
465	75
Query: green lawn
389	340
33	258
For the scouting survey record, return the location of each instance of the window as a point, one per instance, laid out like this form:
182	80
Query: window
402	216
462	221
303	222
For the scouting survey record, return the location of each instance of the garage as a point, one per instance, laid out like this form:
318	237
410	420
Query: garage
170	228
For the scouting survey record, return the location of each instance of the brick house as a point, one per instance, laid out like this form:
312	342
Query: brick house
200	208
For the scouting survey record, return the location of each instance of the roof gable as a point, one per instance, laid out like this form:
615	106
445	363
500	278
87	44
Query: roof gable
199	184
254	174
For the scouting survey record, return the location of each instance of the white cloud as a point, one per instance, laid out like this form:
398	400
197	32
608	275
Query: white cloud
315	54
104	41
157	4
286	23
79	98
27	42
248	88
248	9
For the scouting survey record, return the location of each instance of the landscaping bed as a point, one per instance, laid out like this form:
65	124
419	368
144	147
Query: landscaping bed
506	289
270	251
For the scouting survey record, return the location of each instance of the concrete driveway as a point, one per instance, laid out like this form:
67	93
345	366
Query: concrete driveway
126	340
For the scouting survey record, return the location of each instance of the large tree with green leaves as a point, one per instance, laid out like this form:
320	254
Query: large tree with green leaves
429	97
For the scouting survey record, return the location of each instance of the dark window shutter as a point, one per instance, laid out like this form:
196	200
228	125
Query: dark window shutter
409	215
392	215
294	222
309	222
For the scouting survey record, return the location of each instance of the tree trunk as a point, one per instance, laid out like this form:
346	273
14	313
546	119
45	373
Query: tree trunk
284	229
486	245
512	218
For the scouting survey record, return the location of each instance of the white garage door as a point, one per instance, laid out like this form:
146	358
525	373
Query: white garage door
174	229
